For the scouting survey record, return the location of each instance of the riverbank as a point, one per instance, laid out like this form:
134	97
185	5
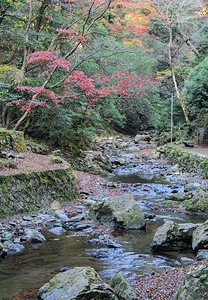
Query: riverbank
154	285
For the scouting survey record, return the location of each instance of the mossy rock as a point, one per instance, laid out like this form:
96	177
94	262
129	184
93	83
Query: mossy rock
13	140
195	285
187	161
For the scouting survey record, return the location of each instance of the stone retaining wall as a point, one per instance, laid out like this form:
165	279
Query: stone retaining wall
12	140
187	161
29	192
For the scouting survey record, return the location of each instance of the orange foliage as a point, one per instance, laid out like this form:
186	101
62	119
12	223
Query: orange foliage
132	18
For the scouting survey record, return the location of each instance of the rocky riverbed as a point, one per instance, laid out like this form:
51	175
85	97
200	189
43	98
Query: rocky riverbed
137	171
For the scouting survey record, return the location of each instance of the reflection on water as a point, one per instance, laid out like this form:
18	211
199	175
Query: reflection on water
33	267
36	265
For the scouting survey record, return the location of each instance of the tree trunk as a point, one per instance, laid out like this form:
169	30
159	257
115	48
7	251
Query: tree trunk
21	120
180	100
26	39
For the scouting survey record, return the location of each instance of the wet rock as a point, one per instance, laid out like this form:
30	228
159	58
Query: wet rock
6	236
3	251
148	215
25	224
120	211
200	237
50	222
202	254
192	186
111	244
12	248
173	236
93	241
195	285
61	215
186	260
81	227
35	236
57	230
122	288
16	240
75	284
77	218
12	224
27	218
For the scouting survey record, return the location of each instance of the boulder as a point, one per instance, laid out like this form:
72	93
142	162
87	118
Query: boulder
12	248
3	251
192	186
122	288
61	215
55	205
76	284
200	237
133	149
120	211
119	161
142	138
57	230
202	254
173	236
189	143
35	236
195	285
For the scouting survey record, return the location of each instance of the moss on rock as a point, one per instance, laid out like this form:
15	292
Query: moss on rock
29	192
187	161
13	140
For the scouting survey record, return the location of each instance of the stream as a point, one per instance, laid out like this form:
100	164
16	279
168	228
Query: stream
37	264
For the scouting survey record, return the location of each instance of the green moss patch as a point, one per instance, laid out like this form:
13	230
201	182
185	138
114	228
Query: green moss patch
29	192
13	140
187	161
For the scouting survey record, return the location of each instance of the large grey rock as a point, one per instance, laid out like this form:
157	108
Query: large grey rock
120	211
202	254
3	251
12	248
122	288
57	230
200	237
80	283
133	149
195	285
192	186
61	215
142	137
173	236
35	236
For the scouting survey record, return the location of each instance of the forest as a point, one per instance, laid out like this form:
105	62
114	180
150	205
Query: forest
70	70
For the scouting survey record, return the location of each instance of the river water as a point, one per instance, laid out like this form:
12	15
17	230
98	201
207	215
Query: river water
30	269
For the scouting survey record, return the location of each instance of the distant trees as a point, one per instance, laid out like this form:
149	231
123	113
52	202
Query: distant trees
177	20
